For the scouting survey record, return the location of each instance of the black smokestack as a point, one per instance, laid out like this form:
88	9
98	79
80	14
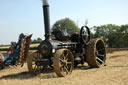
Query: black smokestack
46	19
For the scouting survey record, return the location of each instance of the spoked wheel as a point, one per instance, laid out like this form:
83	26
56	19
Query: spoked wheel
33	65
63	62
96	53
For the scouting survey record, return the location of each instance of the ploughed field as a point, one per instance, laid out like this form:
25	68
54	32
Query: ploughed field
115	73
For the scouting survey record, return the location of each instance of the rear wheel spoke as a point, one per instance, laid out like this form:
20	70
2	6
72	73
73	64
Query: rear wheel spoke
35	67
100	55
62	68
61	60
66	57
33	63
99	59
66	69
98	62
34	59
69	63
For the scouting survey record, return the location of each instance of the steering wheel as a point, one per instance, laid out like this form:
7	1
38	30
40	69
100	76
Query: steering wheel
85	35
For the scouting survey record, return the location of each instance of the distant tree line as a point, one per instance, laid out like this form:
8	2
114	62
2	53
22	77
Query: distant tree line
114	36
38	40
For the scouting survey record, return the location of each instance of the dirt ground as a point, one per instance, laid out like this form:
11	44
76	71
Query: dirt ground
115	73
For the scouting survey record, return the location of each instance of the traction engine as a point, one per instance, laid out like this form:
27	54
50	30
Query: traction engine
63	53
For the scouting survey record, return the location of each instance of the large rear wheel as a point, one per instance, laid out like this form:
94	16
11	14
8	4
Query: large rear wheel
63	62
96	53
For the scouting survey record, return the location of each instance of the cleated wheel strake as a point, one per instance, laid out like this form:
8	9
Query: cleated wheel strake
96	53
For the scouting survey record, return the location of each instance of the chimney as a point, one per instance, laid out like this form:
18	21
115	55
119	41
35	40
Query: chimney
46	19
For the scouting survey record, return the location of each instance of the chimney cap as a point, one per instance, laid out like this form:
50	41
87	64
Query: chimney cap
45	2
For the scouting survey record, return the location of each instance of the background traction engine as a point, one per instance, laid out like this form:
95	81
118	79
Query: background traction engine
63	53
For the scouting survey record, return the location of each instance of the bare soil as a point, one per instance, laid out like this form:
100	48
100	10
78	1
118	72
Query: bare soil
115	73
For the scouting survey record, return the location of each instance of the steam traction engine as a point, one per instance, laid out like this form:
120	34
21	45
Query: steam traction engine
63	53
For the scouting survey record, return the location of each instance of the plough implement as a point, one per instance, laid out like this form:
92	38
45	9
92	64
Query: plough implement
17	52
